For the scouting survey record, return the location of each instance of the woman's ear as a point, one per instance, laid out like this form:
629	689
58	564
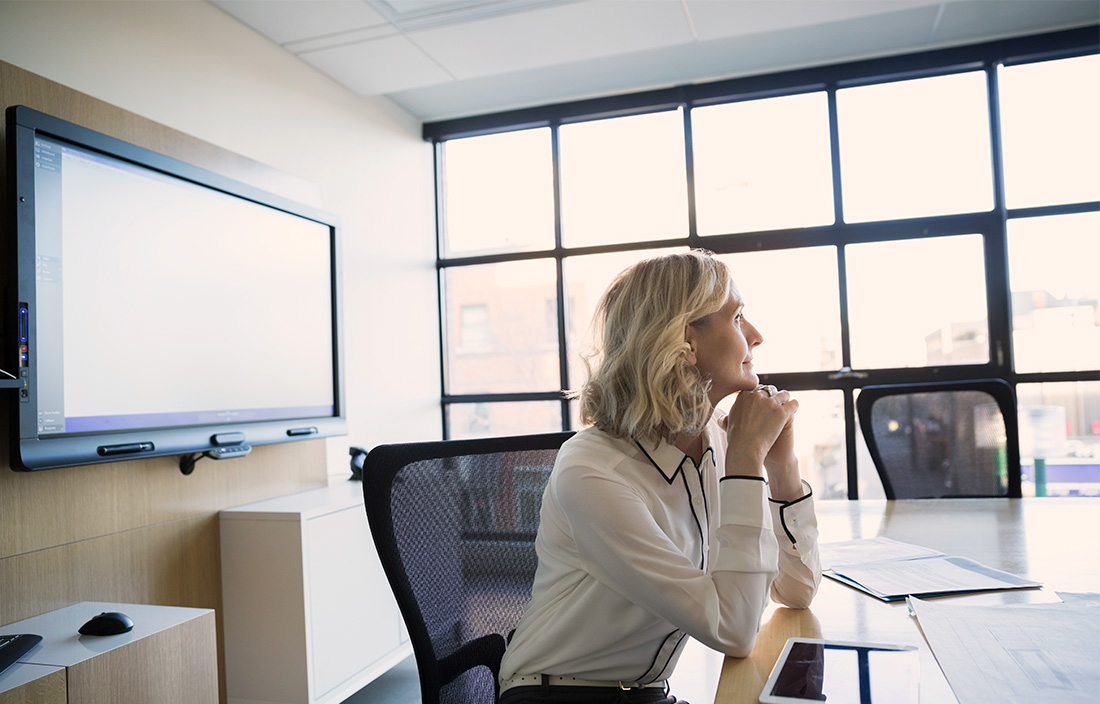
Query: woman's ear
689	338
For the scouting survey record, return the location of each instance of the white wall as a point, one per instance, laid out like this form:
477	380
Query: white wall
190	66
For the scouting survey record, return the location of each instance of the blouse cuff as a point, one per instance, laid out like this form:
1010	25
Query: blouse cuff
746	537
796	517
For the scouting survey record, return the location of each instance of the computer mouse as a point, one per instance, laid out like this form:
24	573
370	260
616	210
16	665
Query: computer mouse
108	623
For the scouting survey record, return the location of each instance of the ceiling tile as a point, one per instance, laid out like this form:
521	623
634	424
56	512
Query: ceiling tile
303	46
451	58
378	66
285	21
559	34
682	64
714	19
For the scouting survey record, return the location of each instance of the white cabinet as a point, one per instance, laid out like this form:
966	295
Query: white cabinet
308	614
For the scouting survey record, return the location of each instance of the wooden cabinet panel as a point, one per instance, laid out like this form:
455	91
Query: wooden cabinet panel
175	665
43	685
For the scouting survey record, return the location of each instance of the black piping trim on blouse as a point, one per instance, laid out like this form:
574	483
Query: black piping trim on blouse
698	524
653	462
669	480
653	670
783	505
702	491
706	514
743	476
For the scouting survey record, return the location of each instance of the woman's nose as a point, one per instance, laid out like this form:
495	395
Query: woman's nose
754	337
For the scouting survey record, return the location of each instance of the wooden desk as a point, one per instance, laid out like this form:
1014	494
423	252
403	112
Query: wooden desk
1050	540
169	656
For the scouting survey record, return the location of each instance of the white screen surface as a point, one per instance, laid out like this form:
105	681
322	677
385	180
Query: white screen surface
179	303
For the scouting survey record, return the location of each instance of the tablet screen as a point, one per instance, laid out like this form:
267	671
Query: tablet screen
844	673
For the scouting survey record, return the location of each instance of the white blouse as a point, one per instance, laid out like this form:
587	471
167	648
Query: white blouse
638	548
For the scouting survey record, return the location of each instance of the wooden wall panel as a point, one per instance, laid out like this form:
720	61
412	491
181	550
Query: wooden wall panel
176	563
52	507
136	531
50	689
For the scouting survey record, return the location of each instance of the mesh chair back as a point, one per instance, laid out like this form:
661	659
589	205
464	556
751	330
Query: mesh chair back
951	439
454	523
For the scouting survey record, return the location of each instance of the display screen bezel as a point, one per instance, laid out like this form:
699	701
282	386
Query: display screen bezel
170	433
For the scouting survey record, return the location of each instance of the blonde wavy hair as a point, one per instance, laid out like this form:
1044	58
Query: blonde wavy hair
640	384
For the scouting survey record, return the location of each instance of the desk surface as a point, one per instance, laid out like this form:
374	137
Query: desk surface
1042	539
63	646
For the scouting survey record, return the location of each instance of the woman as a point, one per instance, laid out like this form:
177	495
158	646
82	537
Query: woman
664	519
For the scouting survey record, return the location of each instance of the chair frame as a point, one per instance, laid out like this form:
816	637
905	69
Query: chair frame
999	389
381	465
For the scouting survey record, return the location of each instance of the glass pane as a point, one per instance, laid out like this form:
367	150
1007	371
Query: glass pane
498	193
819	441
762	164
487	420
915	148
586	279
800	324
1054	274
1049	117
917	303
1060	438
623	179
502	330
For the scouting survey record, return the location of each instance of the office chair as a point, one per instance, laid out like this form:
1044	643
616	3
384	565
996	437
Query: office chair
454	523
946	439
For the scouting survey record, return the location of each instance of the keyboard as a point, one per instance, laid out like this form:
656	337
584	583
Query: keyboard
14	647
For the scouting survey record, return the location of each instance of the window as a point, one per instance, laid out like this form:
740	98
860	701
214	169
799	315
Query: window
1049	114
482	420
473	336
915	148
497	193
500	305
762	164
623	179
926	217
1054	274
1060	438
918	303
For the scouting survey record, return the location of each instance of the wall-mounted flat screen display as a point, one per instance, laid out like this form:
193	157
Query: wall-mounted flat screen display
160	308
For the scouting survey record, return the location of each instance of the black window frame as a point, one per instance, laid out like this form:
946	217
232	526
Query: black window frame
992	225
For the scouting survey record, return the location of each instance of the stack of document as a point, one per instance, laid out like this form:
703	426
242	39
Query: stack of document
1025	654
891	571
1019	654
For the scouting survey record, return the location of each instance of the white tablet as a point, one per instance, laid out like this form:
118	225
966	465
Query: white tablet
839	672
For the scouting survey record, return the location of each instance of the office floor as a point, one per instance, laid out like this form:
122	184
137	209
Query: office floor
398	686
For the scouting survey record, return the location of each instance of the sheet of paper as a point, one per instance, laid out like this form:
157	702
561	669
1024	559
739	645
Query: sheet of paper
1025	654
863	550
929	575
1080	598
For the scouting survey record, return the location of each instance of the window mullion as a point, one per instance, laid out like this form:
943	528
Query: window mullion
563	358
996	245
